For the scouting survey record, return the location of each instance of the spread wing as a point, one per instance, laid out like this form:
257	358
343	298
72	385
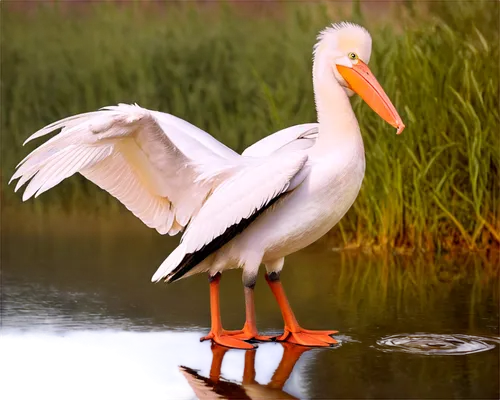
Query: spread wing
160	167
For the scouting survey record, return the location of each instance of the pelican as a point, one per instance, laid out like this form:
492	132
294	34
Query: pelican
235	211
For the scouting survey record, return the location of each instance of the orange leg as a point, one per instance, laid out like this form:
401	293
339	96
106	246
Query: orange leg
249	331
294	333
217	333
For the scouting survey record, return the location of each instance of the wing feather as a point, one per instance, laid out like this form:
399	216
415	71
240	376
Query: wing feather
160	167
64	164
124	185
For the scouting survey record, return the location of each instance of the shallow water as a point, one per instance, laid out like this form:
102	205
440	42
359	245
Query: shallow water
80	319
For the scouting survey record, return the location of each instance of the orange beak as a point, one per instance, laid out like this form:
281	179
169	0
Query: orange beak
361	80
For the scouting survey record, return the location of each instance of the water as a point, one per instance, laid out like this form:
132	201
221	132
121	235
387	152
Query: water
80	319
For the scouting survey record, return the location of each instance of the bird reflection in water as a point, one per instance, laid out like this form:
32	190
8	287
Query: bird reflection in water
215	387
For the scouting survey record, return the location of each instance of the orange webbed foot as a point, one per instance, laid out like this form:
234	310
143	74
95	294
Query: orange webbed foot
249	333
226	339
307	337
248	336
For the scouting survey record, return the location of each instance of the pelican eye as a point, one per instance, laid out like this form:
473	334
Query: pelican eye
353	56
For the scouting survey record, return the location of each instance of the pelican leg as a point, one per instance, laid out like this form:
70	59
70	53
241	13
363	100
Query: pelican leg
294	333
217	333
249	331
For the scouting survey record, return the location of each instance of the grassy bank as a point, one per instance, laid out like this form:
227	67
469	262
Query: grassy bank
241	76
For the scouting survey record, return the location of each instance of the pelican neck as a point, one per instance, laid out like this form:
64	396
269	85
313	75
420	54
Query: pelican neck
337	121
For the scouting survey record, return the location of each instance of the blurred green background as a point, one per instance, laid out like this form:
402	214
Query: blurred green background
243	70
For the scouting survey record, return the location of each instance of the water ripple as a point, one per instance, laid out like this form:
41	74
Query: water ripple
434	344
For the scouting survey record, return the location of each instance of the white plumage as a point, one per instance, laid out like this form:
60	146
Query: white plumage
134	154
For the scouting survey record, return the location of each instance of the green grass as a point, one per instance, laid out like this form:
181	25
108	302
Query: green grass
241	75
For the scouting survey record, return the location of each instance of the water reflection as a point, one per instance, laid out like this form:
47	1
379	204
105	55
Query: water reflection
215	387
108	364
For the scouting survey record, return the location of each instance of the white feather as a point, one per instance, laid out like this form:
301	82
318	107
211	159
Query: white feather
150	161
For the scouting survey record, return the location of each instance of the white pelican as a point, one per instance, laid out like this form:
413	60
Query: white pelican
282	194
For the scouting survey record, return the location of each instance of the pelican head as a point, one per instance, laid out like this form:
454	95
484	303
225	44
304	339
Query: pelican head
343	50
